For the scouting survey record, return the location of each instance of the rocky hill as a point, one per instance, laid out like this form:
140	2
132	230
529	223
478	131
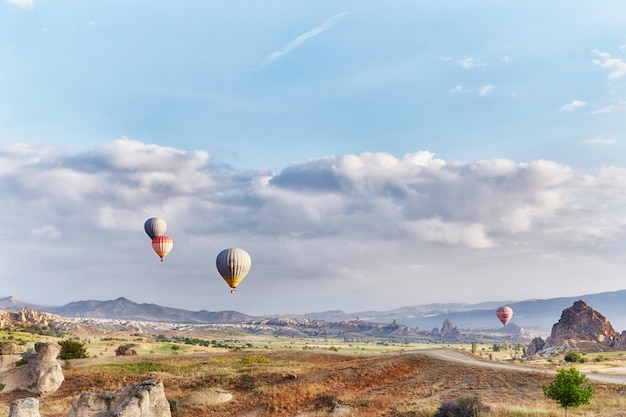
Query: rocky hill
580	327
27	318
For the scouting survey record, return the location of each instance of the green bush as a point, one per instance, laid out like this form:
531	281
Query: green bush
72	349
570	389
574	357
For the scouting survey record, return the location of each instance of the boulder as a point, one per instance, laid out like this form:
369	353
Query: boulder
25	407
146	399
7	348
42	375
535	346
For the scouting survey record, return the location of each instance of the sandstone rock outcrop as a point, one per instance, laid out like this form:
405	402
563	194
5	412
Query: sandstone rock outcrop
42	375
535	346
581	322
577	323
447	328
25	407
146	399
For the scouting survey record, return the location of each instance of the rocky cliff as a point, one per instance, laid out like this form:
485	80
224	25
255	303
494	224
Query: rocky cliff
580	325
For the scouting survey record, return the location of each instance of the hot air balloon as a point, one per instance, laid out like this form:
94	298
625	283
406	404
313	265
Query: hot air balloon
504	313
155	226
233	265
162	245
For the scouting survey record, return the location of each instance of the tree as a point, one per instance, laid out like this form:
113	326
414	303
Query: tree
72	349
568	390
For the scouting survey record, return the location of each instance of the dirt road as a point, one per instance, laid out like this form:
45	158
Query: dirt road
456	356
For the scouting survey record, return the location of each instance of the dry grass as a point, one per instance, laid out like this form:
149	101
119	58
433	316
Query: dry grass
326	383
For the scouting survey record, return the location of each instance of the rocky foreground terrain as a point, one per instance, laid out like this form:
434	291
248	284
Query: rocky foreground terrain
256	382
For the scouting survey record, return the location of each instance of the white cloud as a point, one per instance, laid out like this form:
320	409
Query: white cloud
328	216
617	65
24	4
486	90
599	140
605	109
302	39
576	104
46	231
458	89
469	63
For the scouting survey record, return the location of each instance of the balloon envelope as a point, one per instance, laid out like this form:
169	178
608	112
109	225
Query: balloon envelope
504	313
162	245
155	226
233	265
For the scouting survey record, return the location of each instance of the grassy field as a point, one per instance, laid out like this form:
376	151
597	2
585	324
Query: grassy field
299	377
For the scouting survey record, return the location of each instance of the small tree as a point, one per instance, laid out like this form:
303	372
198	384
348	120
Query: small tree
568	390
72	349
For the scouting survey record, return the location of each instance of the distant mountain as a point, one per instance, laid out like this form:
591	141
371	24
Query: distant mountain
12	303
529	314
124	309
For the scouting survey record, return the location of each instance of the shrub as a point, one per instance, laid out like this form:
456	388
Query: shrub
574	357
72	349
462	407
126	350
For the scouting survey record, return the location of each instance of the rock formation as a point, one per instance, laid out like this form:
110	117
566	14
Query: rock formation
42	375
536	345
146	399
577	323
28	318
581	322
448	329
25	407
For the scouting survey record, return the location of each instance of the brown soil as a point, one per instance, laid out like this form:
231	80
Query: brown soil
313	383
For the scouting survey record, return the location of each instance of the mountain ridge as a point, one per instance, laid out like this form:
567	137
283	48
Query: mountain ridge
532	314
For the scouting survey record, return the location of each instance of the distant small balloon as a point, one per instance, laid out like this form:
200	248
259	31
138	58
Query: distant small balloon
233	264
504	313
155	226
162	245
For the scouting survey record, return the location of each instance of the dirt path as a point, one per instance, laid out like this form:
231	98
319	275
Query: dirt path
456	356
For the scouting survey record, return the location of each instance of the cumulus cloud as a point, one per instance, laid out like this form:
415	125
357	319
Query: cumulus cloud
576	104
24	4
616	65
351	213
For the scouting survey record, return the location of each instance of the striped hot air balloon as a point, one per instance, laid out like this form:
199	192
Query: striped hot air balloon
504	313
233	264
155	226
162	245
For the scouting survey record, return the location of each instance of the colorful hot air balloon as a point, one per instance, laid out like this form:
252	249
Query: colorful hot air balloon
233	265
162	245
504	313
155	226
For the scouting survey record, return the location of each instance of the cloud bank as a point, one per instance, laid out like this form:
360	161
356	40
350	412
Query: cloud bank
339	221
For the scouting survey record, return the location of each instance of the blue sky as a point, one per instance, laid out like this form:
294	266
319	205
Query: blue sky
368	155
